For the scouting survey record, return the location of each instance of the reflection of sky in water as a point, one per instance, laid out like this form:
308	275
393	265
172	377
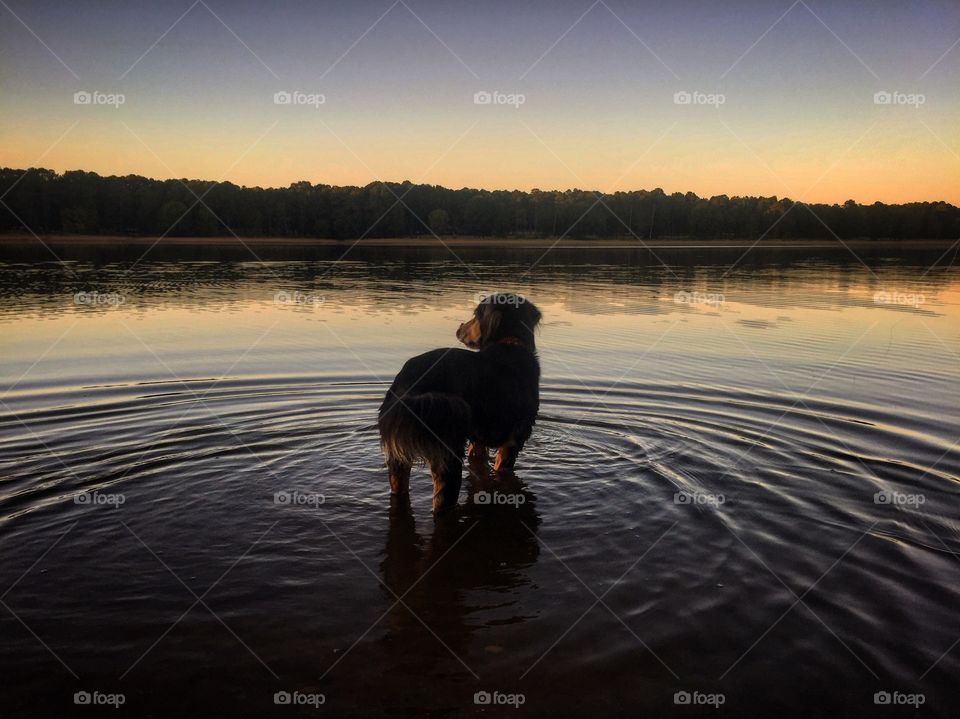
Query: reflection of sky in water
699	318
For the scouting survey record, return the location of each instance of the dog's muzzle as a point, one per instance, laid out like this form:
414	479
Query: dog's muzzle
469	334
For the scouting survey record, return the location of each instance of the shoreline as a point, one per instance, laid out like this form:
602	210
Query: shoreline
471	242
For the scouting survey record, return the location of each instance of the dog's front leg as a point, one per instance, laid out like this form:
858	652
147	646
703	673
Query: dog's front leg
507	456
477	453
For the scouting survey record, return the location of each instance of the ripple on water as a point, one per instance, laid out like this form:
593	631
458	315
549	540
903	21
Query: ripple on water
804	458
701	497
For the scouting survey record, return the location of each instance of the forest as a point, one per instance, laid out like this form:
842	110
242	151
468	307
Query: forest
76	202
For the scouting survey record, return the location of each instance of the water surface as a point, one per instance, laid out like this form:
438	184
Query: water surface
743	481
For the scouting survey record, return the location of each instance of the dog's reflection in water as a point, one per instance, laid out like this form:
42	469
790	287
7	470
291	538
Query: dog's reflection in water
486	544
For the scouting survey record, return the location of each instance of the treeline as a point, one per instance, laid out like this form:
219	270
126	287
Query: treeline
46	202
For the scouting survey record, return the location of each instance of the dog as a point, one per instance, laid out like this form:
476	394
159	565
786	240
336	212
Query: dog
444	398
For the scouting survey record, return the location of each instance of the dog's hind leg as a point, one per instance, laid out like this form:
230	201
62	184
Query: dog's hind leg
446	485
399	476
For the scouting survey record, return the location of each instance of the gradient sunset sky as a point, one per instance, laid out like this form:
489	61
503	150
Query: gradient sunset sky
599	81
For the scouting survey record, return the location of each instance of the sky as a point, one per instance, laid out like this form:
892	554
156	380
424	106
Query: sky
813	100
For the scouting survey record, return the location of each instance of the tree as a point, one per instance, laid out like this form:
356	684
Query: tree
439	221
172	216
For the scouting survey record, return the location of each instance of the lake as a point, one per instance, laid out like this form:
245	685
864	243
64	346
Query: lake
741	491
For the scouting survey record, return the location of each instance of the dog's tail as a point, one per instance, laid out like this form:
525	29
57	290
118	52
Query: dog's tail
430	426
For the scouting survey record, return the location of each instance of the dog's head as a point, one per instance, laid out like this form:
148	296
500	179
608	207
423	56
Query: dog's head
499	317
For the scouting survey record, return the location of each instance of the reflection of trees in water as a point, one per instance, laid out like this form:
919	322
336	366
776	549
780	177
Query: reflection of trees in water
594	281
465	570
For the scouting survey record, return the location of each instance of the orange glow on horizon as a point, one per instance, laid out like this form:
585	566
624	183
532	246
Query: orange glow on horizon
902	162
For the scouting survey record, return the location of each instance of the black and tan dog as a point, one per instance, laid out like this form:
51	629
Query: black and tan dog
442	399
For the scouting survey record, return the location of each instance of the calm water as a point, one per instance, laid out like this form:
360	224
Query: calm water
697	509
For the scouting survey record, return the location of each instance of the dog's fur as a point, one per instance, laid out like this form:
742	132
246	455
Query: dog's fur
443	398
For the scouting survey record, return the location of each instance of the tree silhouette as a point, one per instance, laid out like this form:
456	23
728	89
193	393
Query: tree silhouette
78	202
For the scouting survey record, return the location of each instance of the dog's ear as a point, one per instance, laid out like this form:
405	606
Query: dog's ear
533	315
489	320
